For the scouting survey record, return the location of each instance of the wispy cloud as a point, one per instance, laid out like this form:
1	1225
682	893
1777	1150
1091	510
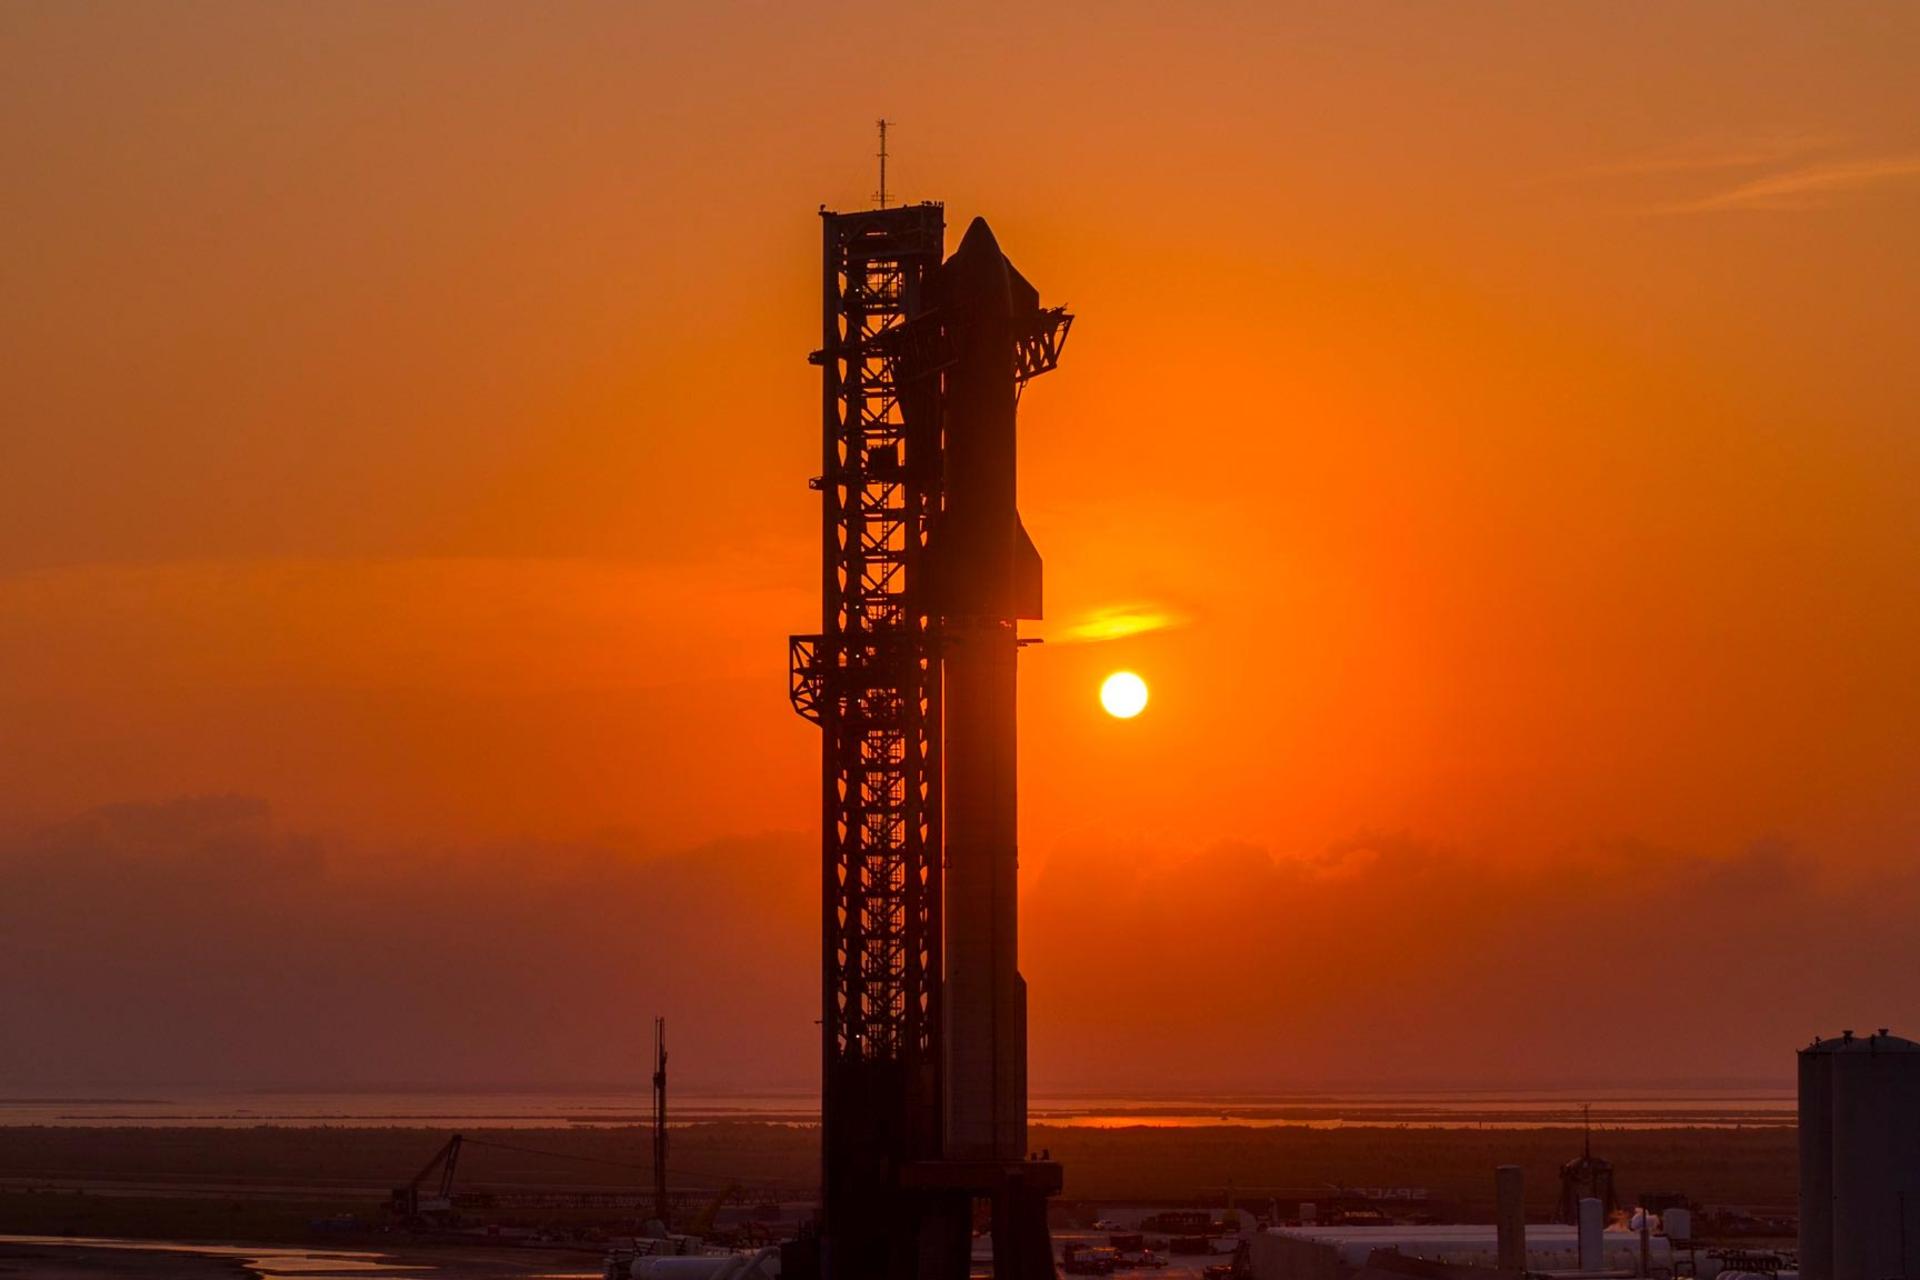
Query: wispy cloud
1811	186
1117	622
1780	173
1714	157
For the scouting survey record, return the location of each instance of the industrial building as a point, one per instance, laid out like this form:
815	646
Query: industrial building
1506	1248
1330	1253
1859	1140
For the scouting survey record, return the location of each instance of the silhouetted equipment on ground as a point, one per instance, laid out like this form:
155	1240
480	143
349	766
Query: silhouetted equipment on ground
1860	1157
411	1205
701	1224
1586	1175
429	1201
926	571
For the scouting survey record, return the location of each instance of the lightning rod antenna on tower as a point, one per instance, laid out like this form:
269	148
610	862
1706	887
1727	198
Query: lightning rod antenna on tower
661	1207
880	196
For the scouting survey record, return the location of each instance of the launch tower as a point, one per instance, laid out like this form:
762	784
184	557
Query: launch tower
925	572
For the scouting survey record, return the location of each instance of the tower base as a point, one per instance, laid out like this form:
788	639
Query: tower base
1018	1191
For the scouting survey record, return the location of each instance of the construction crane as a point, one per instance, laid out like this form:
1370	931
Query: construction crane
702	1223
408	1202
429	1199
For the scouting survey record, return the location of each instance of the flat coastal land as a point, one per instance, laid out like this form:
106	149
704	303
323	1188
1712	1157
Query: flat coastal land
272	1182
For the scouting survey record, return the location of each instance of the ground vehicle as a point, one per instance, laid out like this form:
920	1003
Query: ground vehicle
1139	1259
1087	1260
1241	1268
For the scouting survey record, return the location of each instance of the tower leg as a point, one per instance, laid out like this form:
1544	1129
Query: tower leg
945	1224
1022	1245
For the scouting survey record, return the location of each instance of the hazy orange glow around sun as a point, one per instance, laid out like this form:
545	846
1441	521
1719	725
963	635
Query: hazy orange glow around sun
1491	425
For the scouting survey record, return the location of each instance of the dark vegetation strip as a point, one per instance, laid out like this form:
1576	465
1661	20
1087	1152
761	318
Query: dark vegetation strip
1726	1166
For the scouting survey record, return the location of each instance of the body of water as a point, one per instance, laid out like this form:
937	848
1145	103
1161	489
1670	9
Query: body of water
1611	1109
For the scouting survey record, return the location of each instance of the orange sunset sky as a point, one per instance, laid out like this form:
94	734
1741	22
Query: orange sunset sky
1490	429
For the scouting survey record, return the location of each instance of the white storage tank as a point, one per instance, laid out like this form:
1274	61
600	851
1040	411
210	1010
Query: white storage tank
1593	1225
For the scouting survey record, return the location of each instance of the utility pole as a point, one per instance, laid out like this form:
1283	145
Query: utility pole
660	1121
880	196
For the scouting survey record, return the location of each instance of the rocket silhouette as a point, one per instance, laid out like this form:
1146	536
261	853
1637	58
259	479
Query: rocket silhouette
985	576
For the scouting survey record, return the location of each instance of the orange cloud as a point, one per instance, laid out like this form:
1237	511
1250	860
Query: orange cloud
1117	622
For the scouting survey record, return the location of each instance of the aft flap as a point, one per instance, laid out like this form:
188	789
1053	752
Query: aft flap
1026	573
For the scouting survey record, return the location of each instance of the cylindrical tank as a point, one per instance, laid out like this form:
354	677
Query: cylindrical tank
1510	1217
1860	1158
1875	1125
1593	1221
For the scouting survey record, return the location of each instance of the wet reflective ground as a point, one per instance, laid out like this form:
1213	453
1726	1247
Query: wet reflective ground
103	1258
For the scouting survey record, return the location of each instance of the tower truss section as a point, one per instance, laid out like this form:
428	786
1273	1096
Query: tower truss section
871	680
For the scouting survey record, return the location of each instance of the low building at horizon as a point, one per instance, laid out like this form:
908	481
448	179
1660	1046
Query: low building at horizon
1329	1253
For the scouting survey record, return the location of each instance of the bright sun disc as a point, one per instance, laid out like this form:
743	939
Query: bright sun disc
1124	694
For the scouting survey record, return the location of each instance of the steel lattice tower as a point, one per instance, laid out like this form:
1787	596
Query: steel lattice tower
871	681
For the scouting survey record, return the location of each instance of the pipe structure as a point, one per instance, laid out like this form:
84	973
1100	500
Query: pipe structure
1510	1217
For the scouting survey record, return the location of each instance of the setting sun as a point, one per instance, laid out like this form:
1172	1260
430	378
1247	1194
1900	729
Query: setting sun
1124	695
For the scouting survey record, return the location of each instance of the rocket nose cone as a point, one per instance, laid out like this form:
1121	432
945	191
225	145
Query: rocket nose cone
978	263
979	239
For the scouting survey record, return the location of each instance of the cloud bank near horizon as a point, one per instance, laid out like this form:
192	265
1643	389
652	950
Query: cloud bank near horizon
198	941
